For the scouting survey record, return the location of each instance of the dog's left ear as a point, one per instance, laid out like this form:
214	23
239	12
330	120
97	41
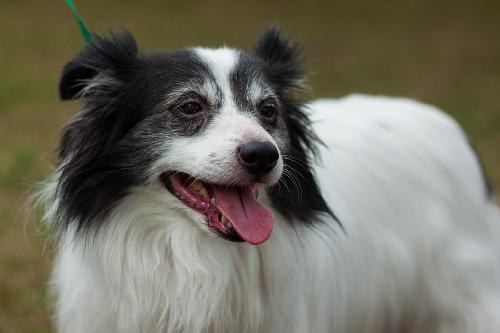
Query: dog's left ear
100	66
281	58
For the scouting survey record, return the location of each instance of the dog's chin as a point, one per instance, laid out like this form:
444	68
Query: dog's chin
231	212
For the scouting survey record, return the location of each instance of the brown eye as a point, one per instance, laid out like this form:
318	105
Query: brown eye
268	110
190	109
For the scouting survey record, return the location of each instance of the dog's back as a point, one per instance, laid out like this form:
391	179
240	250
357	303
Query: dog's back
420	249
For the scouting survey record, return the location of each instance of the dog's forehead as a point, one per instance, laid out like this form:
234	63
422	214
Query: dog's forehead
235	74
221	63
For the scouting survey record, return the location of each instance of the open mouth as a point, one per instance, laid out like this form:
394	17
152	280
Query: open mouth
232	212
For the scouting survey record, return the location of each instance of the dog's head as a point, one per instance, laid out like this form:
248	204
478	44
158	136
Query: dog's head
211	125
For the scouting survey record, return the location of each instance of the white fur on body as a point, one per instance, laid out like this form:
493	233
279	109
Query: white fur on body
419	253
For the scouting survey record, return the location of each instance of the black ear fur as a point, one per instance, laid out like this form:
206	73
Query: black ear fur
113	55
281	57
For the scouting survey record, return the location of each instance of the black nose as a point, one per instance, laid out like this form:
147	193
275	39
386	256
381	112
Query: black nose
258	157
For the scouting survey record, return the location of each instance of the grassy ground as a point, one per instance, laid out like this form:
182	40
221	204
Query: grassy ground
442	52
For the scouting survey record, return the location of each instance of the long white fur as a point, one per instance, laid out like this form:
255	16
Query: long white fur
420	250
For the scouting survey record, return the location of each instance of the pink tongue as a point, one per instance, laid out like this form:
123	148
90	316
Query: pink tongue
252	221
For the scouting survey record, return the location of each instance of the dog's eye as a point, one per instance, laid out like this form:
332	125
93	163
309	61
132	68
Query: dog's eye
268	110
190	109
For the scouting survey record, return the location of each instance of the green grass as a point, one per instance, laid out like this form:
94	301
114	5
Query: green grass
445	53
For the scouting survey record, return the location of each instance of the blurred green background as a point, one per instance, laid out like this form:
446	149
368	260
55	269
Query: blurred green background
442	52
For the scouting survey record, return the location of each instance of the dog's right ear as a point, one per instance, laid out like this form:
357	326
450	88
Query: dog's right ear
282	58
99	67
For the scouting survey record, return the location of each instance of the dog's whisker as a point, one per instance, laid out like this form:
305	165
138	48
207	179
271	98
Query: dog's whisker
294	160
294	171
296	183
287	188
287	175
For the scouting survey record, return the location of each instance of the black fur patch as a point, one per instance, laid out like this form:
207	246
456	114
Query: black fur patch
247	70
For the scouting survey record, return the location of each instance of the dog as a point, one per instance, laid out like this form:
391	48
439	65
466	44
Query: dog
195	192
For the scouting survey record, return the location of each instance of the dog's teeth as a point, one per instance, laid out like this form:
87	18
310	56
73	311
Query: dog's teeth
198	186
225	222
203	192
212	201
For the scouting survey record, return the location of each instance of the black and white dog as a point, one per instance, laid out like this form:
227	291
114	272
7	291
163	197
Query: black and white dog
195	193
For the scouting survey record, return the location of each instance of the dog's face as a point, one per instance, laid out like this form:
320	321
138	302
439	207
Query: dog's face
211	125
